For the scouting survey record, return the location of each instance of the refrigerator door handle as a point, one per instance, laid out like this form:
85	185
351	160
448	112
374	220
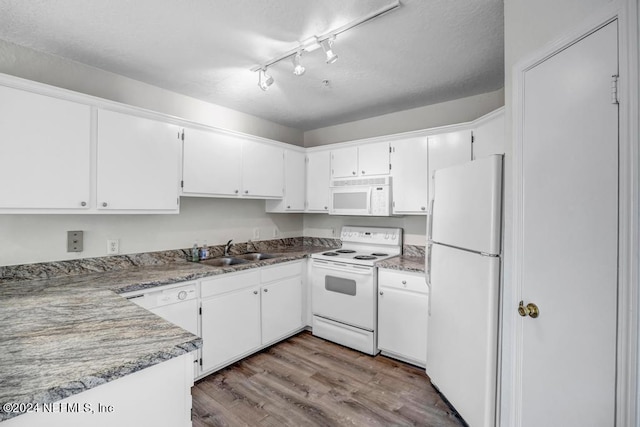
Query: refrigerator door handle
430	220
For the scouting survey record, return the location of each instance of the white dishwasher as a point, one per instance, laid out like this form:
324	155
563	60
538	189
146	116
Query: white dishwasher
176	303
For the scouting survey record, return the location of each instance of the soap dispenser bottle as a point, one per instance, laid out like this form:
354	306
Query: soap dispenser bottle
195	253
204	251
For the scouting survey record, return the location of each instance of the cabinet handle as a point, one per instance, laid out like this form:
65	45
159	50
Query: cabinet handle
266	290
246	191
104	204
236	191
362	172
83	203
255	292
325	208
404	282
288	206
354	172
423	208
381	293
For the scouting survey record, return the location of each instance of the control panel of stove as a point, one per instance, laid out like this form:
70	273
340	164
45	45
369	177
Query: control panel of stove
373	235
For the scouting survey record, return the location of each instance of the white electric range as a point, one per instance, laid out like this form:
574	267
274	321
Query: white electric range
344	286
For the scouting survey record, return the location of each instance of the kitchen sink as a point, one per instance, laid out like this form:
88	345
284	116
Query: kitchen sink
224	261
257	256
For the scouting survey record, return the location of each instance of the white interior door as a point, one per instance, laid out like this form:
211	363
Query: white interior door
567	245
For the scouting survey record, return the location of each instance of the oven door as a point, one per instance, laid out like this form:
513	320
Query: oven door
344	292
351	201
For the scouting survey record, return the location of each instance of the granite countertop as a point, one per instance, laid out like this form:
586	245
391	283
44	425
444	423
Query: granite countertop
403	263
67	334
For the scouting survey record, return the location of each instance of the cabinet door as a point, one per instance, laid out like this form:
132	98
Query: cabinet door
281	308
230	326
318	179
138	163
212	163
262	170
373	159
294	184
45	149
448	149
402	323
409	176
489	136
344	162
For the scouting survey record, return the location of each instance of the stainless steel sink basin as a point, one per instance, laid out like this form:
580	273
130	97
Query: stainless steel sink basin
224	261
257	256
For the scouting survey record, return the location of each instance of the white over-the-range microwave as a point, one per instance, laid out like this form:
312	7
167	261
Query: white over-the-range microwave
361	196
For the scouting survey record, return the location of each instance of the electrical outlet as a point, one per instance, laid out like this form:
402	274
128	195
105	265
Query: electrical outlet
113	246
256	233
74	241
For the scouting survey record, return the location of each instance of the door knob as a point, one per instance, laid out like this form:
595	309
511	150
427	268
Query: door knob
530	310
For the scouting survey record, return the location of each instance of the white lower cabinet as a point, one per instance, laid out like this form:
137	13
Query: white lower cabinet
403	303
230	318
246	311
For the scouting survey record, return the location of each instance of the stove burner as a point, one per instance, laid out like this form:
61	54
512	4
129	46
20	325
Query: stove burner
364	257
379	254
345	251
330	254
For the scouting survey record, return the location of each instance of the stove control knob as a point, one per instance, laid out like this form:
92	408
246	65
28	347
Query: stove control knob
386	236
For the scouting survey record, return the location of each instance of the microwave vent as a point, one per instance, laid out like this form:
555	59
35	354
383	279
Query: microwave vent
383	180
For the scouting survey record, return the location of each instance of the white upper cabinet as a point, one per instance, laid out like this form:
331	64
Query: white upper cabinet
45	148
212	164
362	160
344	162
262	170
373	159
447	149
410	176
318	177
138	163
294	184
489	135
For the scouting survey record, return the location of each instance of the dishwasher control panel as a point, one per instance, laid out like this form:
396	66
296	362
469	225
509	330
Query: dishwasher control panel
161	296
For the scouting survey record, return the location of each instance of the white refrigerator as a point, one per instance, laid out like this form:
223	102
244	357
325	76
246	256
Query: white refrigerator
463	275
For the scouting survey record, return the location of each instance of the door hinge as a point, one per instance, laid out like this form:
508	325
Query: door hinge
200	361
389	166
200	311
614	89
390	149
473	138
182	136
182	184
178	201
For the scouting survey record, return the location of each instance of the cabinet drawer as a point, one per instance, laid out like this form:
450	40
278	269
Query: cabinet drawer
403	280
280	271
229	282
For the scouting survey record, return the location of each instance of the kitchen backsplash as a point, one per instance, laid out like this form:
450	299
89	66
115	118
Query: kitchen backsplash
47	270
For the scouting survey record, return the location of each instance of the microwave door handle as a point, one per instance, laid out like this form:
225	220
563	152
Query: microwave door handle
369	204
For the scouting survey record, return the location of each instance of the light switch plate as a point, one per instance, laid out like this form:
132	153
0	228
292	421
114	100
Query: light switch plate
75	241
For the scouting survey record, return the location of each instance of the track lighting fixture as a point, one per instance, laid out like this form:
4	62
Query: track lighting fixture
327	44
325	41
264	79
298	69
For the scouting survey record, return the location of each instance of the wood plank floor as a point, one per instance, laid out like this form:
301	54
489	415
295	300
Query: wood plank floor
307	381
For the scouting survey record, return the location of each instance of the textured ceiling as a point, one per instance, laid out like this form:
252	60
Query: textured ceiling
425	52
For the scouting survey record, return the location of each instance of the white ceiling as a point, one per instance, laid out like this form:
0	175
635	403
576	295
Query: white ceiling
425	52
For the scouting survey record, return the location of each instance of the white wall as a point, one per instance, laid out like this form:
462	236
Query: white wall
529	26
56	71
446	113
39	238
321	225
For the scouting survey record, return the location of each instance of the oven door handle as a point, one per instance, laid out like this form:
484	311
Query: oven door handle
353	270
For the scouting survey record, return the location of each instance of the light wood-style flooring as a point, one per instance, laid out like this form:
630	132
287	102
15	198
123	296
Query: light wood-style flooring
307	381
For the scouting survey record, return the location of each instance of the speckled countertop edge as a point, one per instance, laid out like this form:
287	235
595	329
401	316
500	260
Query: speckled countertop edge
403	263
61	305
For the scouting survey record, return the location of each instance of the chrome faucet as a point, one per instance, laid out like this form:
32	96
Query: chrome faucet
227	247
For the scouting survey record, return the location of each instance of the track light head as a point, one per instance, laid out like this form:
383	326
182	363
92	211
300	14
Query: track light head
327	45
298	68
264	80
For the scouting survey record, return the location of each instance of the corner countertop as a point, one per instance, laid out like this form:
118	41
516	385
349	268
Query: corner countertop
403	263
64	335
